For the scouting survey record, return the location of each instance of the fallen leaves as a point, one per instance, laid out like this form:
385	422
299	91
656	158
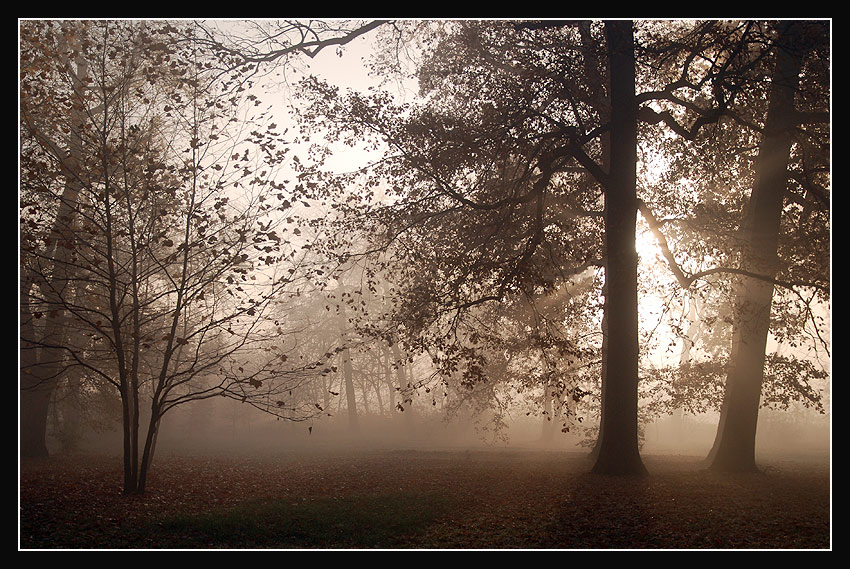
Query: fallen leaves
498	499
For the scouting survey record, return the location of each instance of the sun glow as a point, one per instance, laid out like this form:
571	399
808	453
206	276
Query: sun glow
646	245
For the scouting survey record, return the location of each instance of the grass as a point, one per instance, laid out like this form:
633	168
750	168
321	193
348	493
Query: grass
354	522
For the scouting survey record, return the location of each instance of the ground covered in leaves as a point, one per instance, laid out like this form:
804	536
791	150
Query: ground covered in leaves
423	500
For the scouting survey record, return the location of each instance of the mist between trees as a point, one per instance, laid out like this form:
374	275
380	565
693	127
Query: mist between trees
572	232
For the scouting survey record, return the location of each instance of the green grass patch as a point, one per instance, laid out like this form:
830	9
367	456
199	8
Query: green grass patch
357	522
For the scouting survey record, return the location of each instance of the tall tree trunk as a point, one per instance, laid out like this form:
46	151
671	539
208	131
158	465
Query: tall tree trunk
734	446
388	377
376	385
35	402
48	361
36	388
71	405
618	446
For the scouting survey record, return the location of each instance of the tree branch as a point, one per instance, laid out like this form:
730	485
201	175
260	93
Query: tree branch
686	281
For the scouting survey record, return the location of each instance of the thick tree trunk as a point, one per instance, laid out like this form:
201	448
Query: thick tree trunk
35	402
618	445
35	392
39	381
734	446
45	365
48	361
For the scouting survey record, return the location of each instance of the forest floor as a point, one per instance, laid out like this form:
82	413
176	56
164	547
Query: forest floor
453	499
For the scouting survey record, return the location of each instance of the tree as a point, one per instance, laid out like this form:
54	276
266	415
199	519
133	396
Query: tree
57	106
711	75
498	164
734	448
747	89
618	446
502	159
63	113
172	254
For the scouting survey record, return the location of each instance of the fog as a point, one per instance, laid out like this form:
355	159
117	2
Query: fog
228	428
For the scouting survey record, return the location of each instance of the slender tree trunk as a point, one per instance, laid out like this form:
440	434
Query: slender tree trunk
388	377
35	402
677	421
350	395
618	446
71	431
734	446
129	451
404	386
547	431
377	386
364	393
32	431
150	447
35	390
36	387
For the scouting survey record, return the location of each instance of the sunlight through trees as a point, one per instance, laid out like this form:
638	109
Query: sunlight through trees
575	229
